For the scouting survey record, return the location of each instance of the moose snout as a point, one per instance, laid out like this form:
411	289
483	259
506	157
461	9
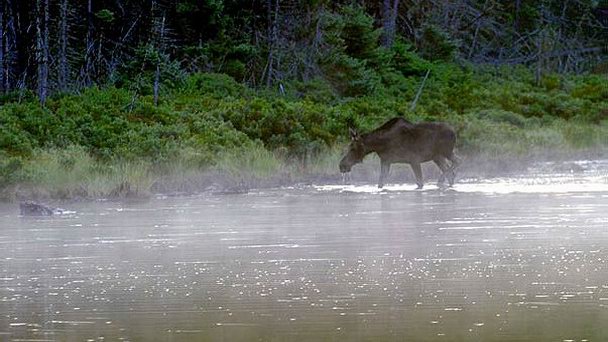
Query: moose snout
344	168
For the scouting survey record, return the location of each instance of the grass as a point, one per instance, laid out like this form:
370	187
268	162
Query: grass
249	163
73	173
122	179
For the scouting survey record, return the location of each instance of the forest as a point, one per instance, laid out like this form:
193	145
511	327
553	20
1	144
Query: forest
113	98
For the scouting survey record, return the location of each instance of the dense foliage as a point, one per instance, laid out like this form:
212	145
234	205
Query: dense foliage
51	46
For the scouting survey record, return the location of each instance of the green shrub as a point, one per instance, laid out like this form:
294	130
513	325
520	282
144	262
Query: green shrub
317	90
551	82
216	85
593	88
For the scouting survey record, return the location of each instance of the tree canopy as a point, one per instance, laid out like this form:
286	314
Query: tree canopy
51	46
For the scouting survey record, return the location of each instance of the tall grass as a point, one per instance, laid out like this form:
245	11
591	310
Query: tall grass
73	173
59	173
249	163
583	135
121	179
325	162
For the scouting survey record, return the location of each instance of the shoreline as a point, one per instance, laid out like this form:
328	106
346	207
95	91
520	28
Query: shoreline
216	182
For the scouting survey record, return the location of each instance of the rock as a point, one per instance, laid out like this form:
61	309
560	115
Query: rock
31	208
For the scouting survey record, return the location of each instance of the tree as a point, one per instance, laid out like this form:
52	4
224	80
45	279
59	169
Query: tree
390	10
42	48
63	67
87	72
59	45
160	51
2	52
273	22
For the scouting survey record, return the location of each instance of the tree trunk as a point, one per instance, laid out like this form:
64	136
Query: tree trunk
63	47
159	52
10	45
517	12
390	9
559	40
272	39
2	90
477	28
42	48
88	56
540	55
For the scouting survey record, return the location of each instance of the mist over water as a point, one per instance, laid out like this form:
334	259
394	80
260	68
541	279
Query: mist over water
515	258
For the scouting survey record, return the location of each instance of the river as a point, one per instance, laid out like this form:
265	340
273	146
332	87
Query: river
518	258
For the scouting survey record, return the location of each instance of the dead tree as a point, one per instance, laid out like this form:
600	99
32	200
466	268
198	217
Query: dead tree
63	67
273	18
2	72
159	55
479	22
390	8
9	45
89	47
42	48
516	15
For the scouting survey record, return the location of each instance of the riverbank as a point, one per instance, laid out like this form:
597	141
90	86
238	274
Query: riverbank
72	175
214	134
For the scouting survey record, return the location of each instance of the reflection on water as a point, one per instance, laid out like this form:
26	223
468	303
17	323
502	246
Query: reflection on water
328	263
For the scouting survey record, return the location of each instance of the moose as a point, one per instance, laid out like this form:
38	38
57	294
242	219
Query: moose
400	141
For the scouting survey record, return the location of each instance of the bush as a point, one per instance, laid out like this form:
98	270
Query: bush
317	90
593	88
216	85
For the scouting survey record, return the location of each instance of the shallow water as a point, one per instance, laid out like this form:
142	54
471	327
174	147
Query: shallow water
520	258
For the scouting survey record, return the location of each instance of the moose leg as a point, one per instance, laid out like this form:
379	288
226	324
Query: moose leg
451	173
418	173
442	164
384	169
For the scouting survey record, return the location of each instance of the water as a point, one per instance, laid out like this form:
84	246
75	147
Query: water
522	258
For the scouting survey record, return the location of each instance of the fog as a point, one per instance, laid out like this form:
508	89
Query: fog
520	258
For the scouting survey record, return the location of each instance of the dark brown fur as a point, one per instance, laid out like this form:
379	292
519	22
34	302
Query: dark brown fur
400	141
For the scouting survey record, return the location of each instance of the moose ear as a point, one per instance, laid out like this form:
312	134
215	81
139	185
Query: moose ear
353	133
